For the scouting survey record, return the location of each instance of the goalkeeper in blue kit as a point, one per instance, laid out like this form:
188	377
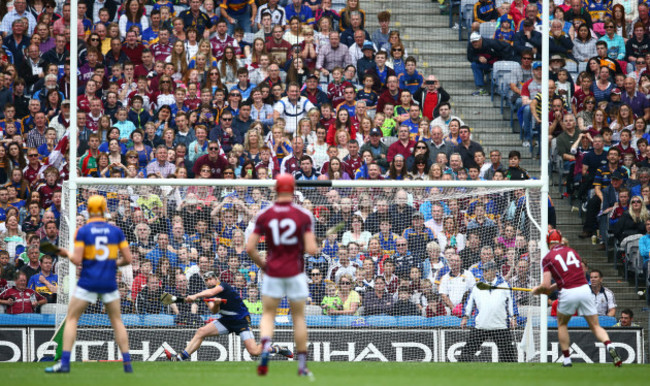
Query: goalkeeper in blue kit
234	319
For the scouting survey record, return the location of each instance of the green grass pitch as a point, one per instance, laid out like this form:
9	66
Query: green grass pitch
330	373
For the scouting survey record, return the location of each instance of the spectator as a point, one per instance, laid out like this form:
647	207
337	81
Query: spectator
482	53
19	299
584	44
148	299
633	220
402	305
33	266
342	267
403	259
626	319
45	282
350	299
454	285
331	301
253	302
378	301
7	269
316	286
603	297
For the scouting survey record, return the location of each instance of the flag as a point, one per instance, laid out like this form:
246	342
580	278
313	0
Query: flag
58	339
527	344
57	156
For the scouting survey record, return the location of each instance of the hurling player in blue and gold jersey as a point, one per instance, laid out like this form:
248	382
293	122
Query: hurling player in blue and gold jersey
96	249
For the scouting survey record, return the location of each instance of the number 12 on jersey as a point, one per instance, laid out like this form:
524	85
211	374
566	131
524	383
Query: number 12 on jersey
284	231
571	259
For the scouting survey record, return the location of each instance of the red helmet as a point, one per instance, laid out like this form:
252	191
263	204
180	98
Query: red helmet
554	236
285	183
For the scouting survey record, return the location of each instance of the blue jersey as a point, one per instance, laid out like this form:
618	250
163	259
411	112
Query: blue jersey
234	309
100	242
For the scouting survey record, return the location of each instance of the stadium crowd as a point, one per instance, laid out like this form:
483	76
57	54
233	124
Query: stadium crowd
240	89
599	94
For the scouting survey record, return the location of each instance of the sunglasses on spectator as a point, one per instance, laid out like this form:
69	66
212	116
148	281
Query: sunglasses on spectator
226	119
401	245
640	62
213	148
94	39
227	173
420	147
396	50
636	202
345	282
609	27
315	273
133	156
32	155
165	81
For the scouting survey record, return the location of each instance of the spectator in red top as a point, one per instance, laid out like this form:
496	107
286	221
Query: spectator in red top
404	145
214	159
144	68
131	48
430	97
228	275
20	299
391	95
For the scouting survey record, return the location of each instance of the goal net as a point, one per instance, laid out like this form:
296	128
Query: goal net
394	280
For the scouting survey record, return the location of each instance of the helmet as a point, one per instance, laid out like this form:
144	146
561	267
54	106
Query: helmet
285	183
97	205
210	275
554	236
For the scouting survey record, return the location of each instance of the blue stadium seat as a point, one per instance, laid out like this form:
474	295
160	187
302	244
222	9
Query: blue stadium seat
159	320
442	321
348	321
132	320
255	320
94	320
27	319
381	321
411	321
576	321
607	321
319	320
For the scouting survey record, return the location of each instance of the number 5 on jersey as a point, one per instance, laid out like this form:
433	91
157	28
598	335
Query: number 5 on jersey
571	259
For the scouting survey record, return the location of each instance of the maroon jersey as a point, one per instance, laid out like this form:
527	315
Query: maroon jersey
283	226
565	265
22	300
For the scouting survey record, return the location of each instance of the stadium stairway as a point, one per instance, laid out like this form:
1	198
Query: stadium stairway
427	36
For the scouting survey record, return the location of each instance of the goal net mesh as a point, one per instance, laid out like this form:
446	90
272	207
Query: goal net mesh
396	271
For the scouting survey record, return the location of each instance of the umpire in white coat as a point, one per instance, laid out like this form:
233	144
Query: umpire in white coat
494	320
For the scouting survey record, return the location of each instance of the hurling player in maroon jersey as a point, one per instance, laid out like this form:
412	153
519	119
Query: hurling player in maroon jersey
288	230
564	266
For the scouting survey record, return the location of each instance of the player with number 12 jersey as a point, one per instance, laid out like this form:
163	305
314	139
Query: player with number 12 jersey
288	231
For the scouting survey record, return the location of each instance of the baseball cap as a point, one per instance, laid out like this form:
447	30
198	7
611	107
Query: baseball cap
616	91
368	46
312	76
474	37
490	265
417	215
375	131
537	65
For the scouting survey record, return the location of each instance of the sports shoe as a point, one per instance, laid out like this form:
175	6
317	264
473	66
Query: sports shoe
128	368
615	357
569	364
480	92
525	144
306	373
281	350
263	367
171	357
57	368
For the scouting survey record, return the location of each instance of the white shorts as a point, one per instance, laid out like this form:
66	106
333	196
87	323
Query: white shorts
294	288
91	297
577	299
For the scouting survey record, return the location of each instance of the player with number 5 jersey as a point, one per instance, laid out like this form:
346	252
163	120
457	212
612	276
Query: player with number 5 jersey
564	266
288	231
96	248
